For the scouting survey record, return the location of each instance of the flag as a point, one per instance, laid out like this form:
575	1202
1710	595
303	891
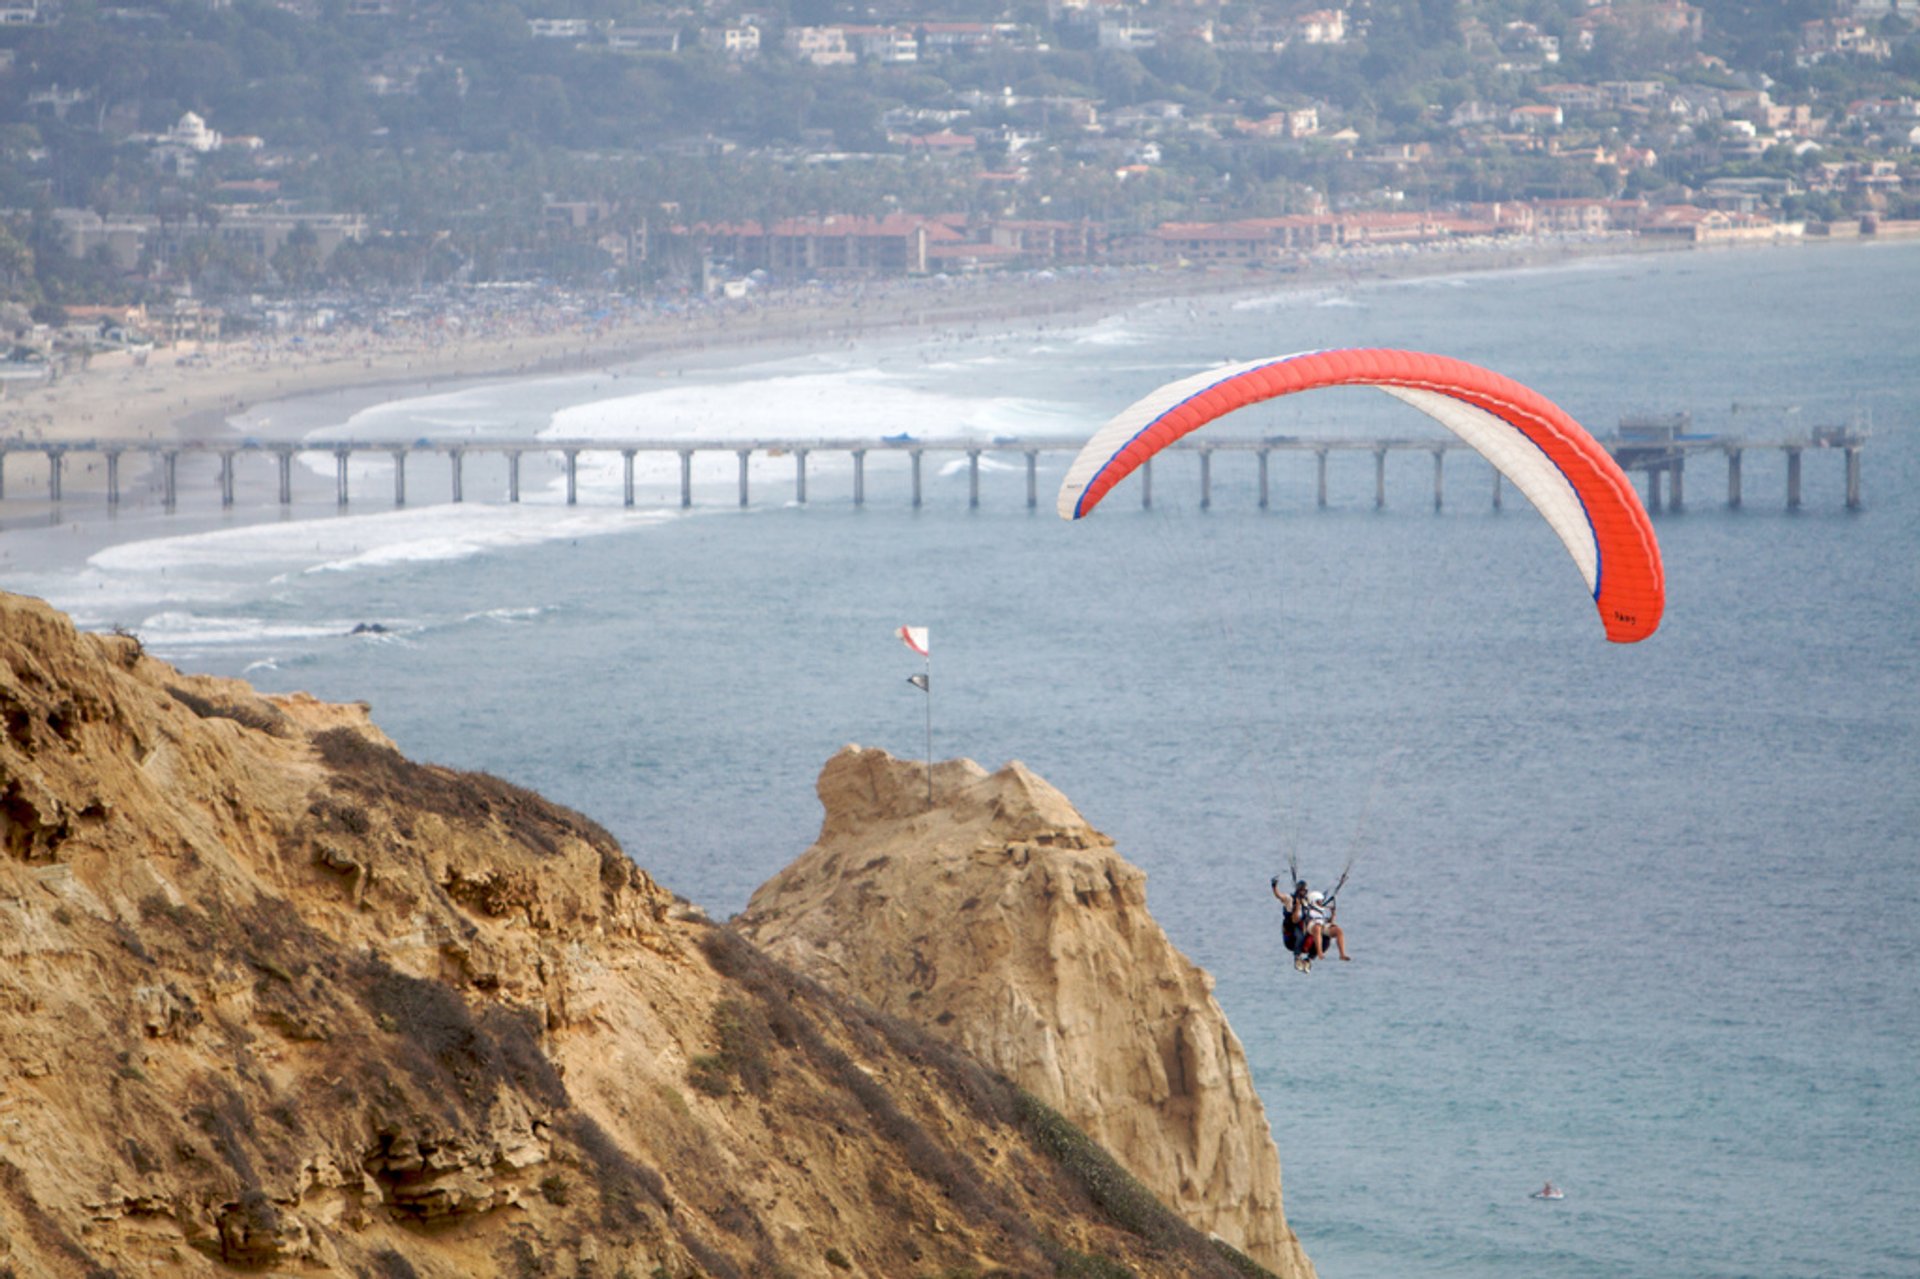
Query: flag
915	638
919	682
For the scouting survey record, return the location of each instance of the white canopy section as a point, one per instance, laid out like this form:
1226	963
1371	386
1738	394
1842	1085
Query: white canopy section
1135	418
1520	460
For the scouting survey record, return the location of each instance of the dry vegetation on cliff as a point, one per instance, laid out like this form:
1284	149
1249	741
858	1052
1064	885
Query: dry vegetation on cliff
275	998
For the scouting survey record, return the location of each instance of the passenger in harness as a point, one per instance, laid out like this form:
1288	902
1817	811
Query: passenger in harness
1307	924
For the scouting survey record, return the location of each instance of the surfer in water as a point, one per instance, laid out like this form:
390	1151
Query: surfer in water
1549	1191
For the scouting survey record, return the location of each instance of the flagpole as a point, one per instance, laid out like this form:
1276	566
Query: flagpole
916	638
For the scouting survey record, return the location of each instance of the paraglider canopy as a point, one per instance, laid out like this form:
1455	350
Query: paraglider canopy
1570	479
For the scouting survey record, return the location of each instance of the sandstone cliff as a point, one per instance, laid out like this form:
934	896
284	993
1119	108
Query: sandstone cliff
1001	921
274	998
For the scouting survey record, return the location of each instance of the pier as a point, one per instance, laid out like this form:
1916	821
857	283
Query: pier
1661	463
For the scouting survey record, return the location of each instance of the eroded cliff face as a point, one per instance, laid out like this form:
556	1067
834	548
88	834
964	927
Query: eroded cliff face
275	998
1000	920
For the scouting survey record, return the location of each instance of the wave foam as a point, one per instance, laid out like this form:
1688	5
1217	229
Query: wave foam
343	542
851	404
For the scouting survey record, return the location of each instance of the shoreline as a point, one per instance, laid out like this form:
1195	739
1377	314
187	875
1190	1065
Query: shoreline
187	392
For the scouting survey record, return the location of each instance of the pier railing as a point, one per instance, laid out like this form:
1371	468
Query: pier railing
1662	464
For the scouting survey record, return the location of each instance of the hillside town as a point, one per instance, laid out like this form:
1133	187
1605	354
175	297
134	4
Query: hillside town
688	152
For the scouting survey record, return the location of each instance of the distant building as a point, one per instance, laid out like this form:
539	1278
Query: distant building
265	234
739	43
1575	97
1127	36
1710	226
882	44
944	142
1321	26
1826	38
821	46
192	133
1573	217
1526	39
631	39
1870	10
1049	242
1474	112
560	28
56	101
1631	93
128	239
29	14
1536	119
83	233
938	39
1296	122
574	215
836	245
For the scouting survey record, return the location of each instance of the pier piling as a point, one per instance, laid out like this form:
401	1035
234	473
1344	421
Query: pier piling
513	475
1379	479
973	479
340	457
226	478
859	477
1733	479
1497	477
169	473
283	459
456	457
1653	490
916	477
1793	479
113	477
1439	476
1033	489
573	476
399	477
1320	464
54	458
1677	496
800	476
1206	479
743	454
1853	479
1146	485
1263	455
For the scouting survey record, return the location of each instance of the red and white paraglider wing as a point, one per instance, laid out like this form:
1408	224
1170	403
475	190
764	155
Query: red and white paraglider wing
1570	479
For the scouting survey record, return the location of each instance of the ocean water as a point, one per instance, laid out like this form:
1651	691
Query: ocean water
1640	919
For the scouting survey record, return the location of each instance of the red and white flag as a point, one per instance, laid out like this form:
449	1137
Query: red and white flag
915	638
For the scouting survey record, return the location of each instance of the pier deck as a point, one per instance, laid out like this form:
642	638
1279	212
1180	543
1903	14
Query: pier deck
1662	464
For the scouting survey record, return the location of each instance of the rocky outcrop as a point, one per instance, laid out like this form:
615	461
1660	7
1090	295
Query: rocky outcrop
274	998
1001	921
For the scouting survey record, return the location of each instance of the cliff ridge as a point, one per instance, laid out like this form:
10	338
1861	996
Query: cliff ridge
1000	920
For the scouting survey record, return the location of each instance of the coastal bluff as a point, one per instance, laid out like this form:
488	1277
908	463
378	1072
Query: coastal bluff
998	919
275	999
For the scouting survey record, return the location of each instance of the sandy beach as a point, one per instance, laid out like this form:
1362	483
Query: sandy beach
191	390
